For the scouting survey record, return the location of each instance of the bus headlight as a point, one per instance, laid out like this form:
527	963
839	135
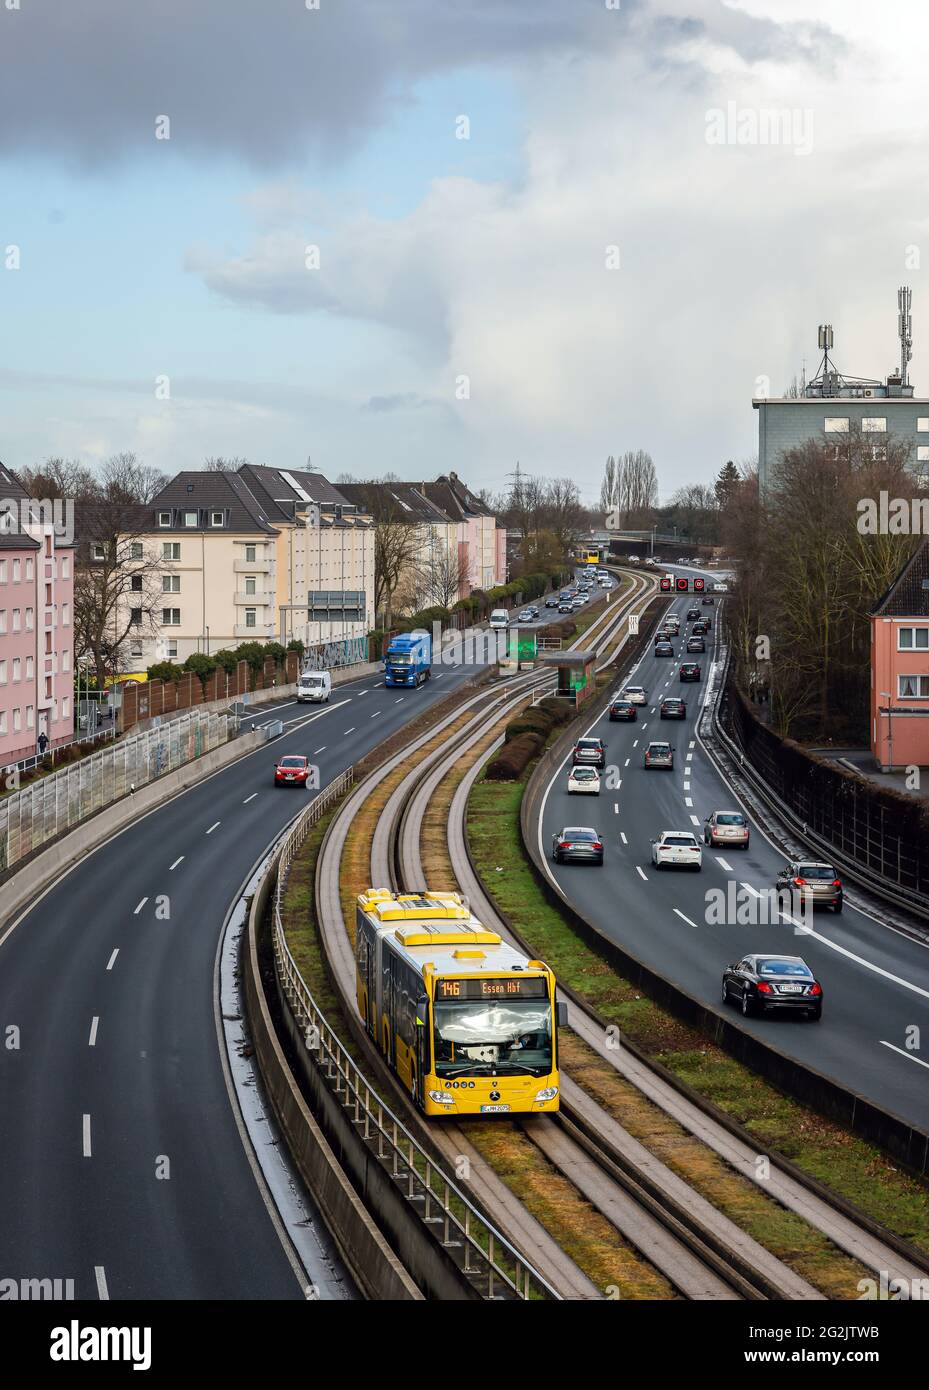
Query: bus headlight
441	1098
547	1093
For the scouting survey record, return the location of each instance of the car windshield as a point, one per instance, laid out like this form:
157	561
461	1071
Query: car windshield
680	840
620	704
730	818
292	762
311	680
589	743
633	690
584	774
818	871
785	967
474	1037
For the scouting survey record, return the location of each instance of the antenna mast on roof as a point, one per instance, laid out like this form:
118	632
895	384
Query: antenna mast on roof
905	330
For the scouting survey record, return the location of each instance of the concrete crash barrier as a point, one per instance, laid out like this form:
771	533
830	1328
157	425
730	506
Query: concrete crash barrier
375	1267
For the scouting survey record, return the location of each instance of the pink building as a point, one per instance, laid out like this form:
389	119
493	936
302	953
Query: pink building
900	668
36	634
478	541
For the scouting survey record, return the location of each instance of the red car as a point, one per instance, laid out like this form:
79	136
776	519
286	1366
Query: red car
292	771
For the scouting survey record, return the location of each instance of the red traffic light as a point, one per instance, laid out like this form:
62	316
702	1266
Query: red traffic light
699	585
683	585
665	584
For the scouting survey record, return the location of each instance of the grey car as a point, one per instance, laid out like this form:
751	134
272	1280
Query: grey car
819	884
659	755
579	844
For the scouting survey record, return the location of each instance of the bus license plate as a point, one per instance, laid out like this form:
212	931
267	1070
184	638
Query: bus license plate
493	1109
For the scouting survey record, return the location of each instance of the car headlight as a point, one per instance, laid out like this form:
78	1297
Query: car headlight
441	1098
547	1093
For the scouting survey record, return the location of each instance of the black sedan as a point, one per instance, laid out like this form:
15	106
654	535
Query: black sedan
692	614
664	649
708	601
551	603
566	607
689	671
780	984
623	709
577	844
673	707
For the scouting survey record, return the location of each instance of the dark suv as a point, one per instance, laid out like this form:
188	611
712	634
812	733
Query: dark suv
623	709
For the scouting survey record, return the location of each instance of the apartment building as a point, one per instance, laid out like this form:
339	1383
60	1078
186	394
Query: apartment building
258	555
436	570
900	668
36	626
482	541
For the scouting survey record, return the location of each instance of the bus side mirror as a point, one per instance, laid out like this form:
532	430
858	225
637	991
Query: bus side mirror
422	1011
561	1014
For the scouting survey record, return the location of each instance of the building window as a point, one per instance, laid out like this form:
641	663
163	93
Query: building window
135	617
65	707
16	620
912	639
30	619
170	583
17	668
66	615
17	571
2	571
2	721
250	554
836	424
171	617
17	721
2	620
30	570
164	518
913	687
135	649
135	550
873	424
217	518
66	661
172	647
99	553
170	550
136	583
30	668
922	424
250	614
65	567
250	587
922	453
190	518
30	717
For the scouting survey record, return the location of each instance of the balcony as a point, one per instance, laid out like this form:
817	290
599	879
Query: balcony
252	566
262	599
262	632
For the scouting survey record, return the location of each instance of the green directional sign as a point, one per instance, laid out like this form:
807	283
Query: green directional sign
521	645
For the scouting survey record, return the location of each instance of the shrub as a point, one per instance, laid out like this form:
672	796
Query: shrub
165	671
530	722
514	757
226	659
295	645
560	710
201	665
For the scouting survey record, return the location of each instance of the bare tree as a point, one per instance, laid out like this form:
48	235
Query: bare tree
215	463
441	573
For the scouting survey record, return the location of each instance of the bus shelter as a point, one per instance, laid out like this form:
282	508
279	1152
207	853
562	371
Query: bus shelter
576	670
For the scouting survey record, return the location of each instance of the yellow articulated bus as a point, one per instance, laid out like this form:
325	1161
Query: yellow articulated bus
468	1024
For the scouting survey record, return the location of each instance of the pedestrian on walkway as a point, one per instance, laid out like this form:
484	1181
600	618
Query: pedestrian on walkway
43	742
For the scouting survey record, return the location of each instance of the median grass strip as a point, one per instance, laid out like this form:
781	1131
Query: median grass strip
848	1165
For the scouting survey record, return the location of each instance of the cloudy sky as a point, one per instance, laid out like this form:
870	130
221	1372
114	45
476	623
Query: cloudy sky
317	262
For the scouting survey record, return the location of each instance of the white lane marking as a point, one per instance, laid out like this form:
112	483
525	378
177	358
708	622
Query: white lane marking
694	820
112	961
616	807
622	836
92	1040
688	801
626	763
645	725
868	965
691	744
349	731
319	750
375	686
180	859
103	1292
893	1047
749	889
641	873
397	701
249	798
437	675
722	864
683	918
689	756
375	714
635	743
214	826
652	710
140	907
86	1136
686	786
362	692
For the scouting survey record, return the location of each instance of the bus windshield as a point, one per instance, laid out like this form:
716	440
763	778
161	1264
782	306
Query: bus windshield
477	1037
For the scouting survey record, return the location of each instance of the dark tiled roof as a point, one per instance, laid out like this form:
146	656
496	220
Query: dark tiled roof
406	501
455	497
206	492
12	490
908	595
280	489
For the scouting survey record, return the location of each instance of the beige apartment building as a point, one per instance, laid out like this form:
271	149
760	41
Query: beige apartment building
259	555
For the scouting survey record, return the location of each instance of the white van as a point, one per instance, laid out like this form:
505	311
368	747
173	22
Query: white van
499	618
315	686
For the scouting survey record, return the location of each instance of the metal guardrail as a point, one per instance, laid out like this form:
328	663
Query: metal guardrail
36	814
485	1256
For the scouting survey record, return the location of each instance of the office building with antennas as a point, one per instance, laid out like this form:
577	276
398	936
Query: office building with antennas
834	403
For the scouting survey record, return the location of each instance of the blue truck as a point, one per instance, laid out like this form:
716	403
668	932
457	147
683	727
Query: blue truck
409	658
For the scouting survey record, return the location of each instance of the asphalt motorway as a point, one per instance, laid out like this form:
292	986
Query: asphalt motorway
121	1160
875	979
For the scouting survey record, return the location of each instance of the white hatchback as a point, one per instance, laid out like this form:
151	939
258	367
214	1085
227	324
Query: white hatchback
677	849
584	779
